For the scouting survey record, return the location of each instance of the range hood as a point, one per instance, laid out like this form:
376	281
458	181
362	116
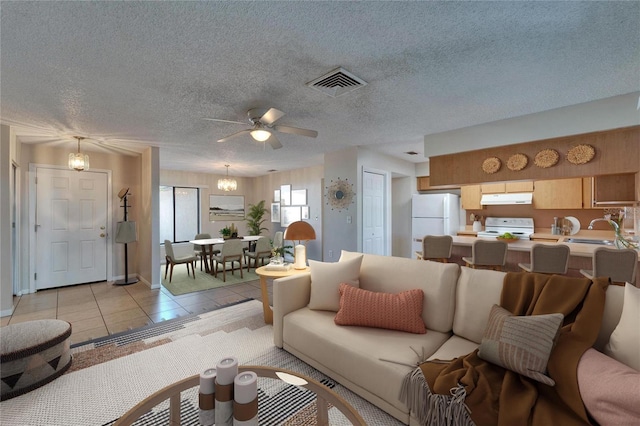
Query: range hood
506	199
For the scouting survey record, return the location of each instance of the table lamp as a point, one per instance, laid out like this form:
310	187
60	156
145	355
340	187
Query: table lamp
300	231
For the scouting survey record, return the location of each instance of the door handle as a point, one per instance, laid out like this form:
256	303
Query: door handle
102	235
102	227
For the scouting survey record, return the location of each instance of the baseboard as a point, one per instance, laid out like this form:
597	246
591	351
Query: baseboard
7	312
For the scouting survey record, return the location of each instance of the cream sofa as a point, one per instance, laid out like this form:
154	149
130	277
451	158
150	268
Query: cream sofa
457	302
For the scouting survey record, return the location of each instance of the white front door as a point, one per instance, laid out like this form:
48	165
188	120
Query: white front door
373	208
71	222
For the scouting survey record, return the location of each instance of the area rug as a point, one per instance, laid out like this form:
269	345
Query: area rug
181	283
112	374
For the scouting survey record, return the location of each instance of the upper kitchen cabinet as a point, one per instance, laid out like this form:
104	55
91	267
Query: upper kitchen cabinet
506	187
470	196
613	190
424	184
558	194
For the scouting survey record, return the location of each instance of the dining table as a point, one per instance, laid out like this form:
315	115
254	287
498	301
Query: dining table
208	243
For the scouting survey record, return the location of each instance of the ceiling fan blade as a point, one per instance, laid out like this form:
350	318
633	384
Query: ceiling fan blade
271	116
274	142
223	121
296	131
241	132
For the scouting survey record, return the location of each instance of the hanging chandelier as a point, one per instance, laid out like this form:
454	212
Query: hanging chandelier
78	161
227	184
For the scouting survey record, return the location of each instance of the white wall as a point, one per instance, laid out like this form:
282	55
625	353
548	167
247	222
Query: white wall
6	285
609	113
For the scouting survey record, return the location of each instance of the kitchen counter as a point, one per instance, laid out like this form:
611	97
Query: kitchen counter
581	255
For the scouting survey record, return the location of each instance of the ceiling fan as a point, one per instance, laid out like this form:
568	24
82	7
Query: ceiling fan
263	127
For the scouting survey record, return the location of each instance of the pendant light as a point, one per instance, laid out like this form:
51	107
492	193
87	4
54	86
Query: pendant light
227	184
78	161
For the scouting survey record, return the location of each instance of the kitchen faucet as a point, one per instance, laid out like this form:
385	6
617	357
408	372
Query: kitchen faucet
598	219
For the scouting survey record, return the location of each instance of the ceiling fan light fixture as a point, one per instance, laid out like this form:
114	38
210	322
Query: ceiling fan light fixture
260	135
227	184
78	161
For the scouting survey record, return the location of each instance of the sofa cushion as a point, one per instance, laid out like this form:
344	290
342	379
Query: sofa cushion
356	352
478	290
454	348
326	279
611	316
381	310
610	390
624	344
521	343
437	280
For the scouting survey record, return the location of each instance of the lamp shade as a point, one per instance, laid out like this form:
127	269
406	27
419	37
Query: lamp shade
126	232
300	231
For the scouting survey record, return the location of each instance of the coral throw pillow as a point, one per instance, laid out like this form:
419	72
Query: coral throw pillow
366	308
521	343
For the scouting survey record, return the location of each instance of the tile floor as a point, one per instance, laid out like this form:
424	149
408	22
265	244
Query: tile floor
100	309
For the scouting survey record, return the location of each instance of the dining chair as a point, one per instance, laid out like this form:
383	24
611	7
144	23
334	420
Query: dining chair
231	252
548	259
261	252
436	247
487	254
202	252
617	264
172	260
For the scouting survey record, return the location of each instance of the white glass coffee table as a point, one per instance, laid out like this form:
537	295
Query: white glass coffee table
324	396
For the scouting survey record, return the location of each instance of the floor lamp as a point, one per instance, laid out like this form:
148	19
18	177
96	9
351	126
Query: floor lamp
125	233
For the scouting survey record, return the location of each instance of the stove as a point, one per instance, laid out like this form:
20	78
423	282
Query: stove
521	227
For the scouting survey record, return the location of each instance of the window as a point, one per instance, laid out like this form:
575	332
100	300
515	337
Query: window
179	213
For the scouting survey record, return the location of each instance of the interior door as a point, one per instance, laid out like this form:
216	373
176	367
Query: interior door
71	222
373	209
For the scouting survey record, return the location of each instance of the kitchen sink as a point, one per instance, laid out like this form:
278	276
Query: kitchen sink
589	241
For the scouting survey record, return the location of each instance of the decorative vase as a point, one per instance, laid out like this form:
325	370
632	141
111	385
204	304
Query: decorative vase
625	242
277	260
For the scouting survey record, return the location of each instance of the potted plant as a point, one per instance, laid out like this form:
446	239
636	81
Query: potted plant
225	232
255	218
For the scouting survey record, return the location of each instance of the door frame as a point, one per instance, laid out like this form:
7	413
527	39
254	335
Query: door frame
32	219
386	209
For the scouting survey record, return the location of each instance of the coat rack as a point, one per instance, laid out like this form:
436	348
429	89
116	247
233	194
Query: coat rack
126	233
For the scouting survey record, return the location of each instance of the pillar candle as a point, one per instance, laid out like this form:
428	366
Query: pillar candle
226	371
206	397
245	394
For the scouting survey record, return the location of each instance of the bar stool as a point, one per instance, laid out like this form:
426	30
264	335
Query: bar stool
487	254
618	264
436	247
548	259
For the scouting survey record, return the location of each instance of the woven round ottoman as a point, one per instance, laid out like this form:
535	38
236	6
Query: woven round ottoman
33	354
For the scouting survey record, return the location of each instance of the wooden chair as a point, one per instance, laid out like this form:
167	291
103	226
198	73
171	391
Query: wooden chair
618	264
436	247
231	252
548	259
487	254
261	252
202	252
172	260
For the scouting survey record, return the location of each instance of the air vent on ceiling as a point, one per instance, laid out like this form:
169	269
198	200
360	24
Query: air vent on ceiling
411	153
337	82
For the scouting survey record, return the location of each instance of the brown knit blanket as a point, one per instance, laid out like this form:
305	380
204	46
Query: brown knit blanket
470	390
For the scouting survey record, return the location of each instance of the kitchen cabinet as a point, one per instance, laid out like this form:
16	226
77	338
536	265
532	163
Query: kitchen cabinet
614	190
506	187
424	184
470	196
557	194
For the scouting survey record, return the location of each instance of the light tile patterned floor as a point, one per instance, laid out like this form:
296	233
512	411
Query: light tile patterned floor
99	309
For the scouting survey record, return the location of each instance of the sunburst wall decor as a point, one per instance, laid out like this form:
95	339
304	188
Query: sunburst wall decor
340	194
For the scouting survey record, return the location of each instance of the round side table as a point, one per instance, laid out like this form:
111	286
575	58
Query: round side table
265	274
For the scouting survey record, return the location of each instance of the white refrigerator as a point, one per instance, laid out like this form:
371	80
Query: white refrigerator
433	214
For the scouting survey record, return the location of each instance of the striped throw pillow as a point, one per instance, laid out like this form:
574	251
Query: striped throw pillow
521	343
401	311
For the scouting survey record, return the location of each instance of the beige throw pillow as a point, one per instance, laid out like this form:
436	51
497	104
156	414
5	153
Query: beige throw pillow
326	279
520	343
624	343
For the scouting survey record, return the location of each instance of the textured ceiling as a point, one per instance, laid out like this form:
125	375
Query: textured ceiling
131	74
